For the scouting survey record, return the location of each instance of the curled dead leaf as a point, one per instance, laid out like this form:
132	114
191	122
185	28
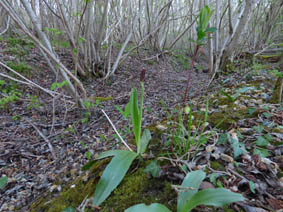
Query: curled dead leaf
226	158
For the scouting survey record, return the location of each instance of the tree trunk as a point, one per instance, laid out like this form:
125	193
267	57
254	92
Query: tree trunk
278	88
235	37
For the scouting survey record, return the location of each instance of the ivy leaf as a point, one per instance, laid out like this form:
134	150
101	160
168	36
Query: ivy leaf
263	153
223	138
261	141
258	129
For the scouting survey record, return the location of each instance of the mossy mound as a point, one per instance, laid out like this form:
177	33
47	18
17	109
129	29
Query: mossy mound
136	187
73	193
226	118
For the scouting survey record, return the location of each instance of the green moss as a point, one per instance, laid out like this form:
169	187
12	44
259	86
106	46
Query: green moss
73	194
228	117
136	187
139	188
217	166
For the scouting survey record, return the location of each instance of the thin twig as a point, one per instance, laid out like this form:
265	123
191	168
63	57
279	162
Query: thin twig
116	131
44	138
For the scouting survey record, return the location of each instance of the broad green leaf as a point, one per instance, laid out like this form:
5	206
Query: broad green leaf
101	156
203	17
109	153
201	35
127	111
155	207
146	136
113	174
3	181
135	116
190	185
212	197
69	209
206	17
261	141
153	168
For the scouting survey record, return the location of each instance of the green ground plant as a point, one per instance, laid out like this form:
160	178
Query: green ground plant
189	134
21	68
88	106
33	103
19	46
189	197
9	92
120	163
3	181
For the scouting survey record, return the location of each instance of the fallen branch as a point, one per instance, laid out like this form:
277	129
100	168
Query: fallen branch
124	142
44	138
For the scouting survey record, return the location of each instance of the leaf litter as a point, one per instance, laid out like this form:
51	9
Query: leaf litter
245	158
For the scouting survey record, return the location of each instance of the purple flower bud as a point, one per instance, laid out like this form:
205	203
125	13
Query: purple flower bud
142	77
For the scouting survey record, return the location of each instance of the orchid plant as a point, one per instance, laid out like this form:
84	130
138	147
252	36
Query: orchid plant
122	159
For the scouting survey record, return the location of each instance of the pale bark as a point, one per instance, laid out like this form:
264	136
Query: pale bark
46	46
233	41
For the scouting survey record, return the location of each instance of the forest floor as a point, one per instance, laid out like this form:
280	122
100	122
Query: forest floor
78	135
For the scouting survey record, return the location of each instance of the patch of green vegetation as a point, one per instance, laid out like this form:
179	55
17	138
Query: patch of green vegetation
23	42
135	188
229	68
17	51
10	91
150	62
138	188
33	102
229	117
21	68
73	194
19	46
60	44
217	166
183	60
